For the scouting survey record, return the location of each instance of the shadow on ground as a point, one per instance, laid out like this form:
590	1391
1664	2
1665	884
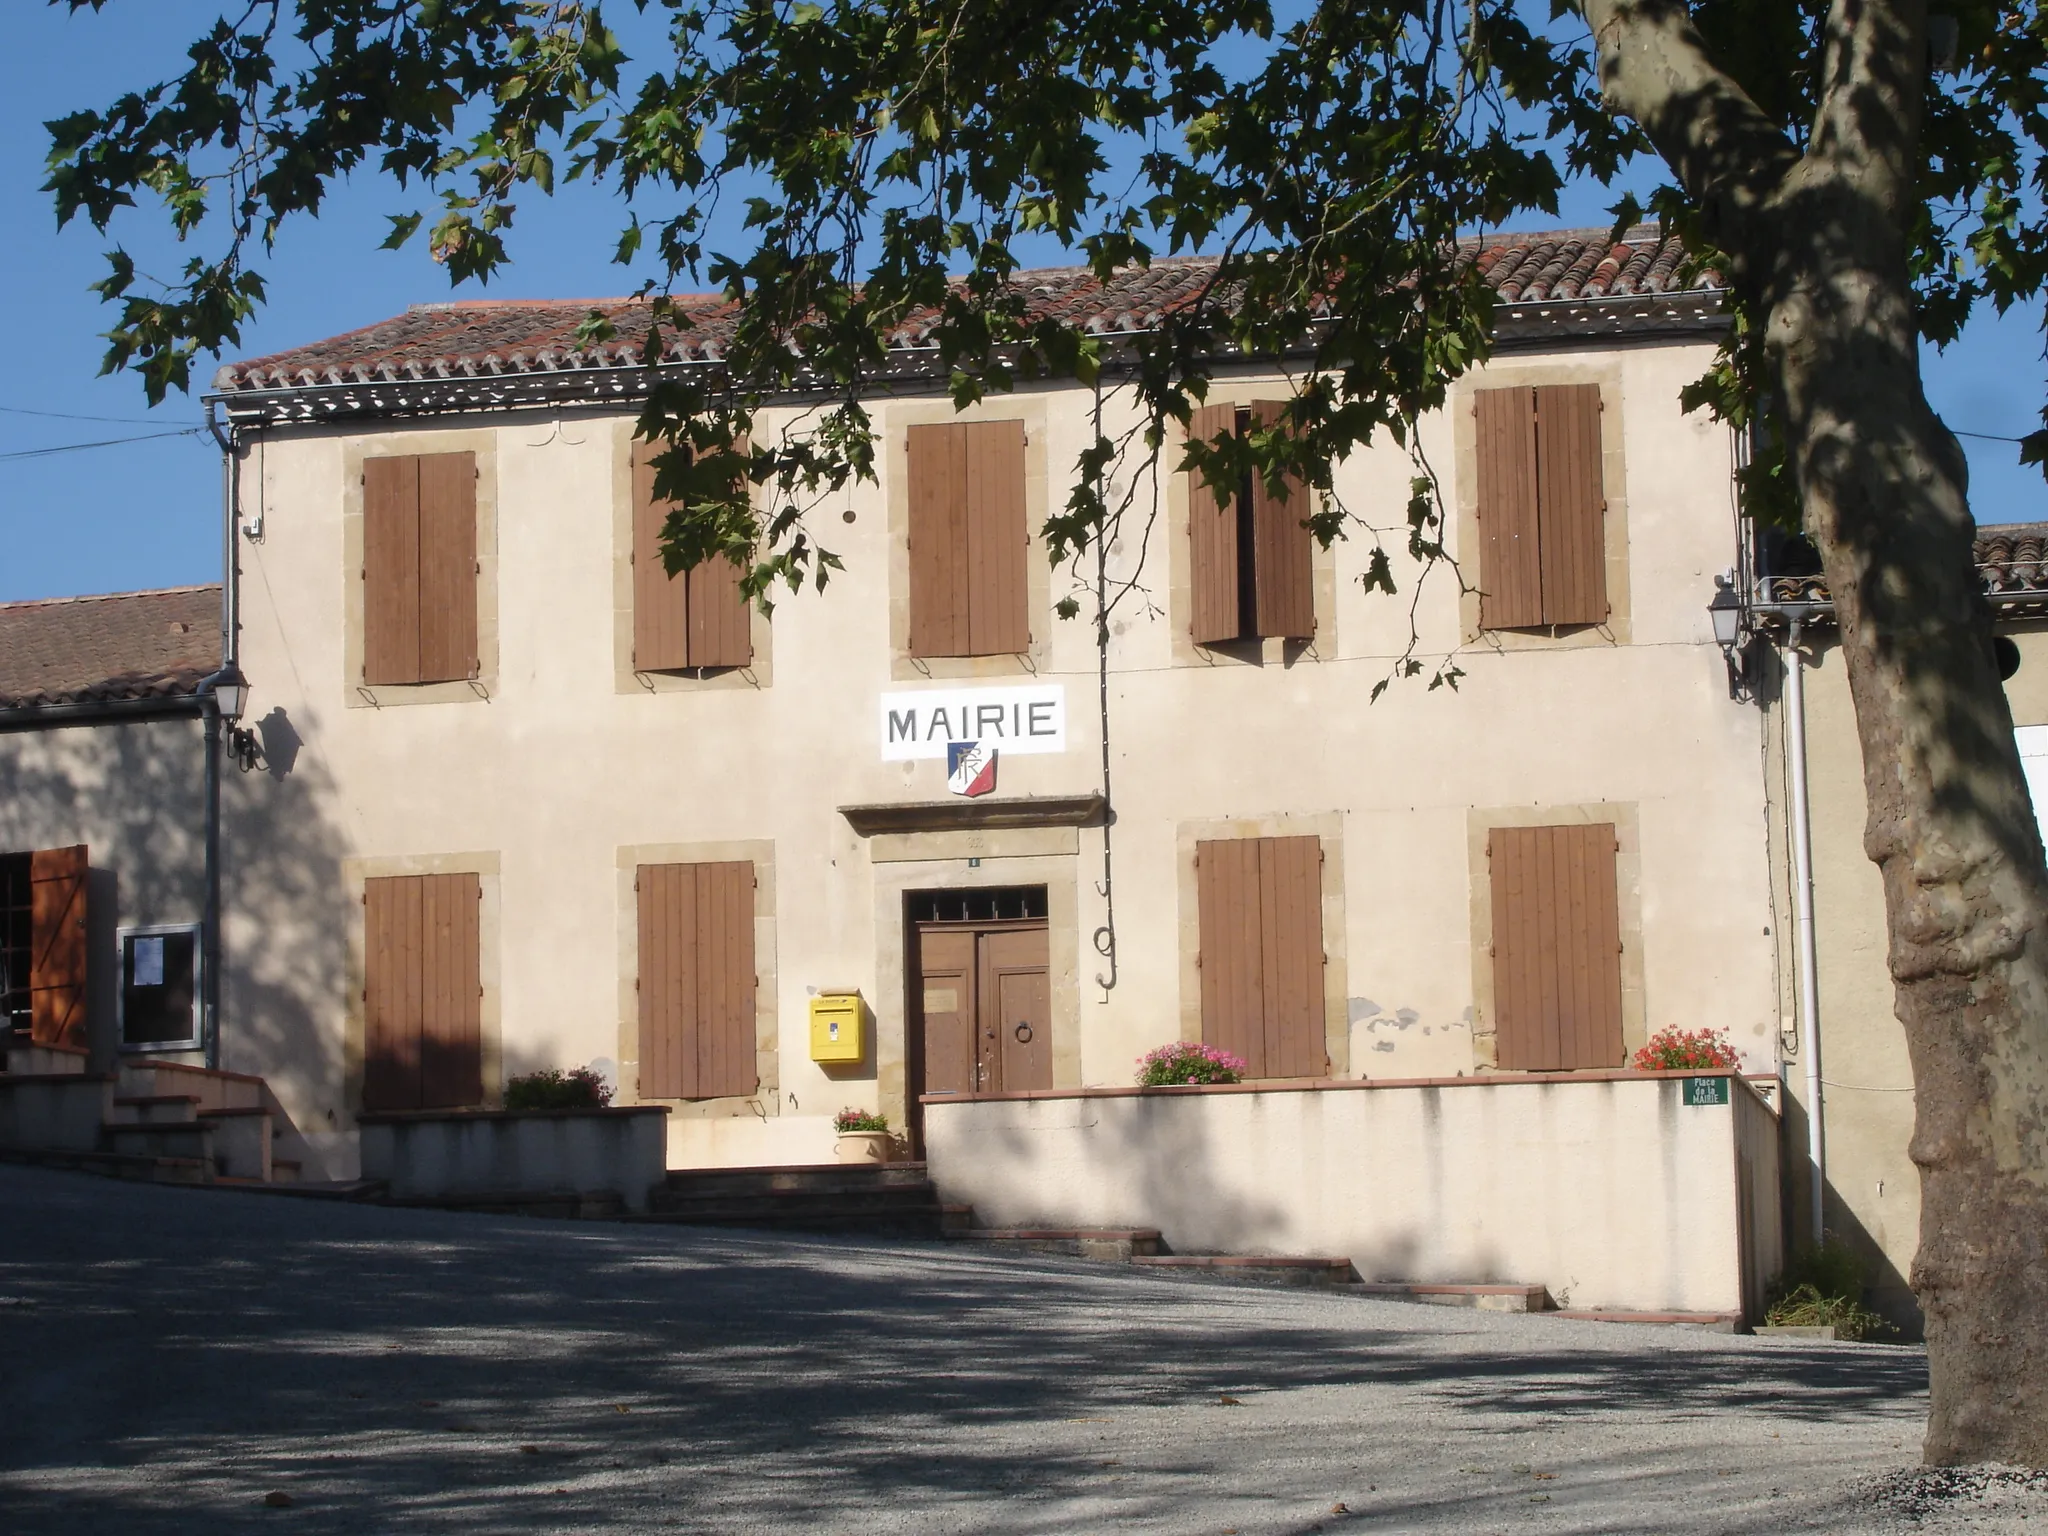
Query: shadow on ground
169	1357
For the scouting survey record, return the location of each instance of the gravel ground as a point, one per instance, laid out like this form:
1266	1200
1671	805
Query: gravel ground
208	1361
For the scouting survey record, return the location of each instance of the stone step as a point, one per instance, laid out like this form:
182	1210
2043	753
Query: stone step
815	1178
154	1109
30	1058
1485	1297
1699	1322
1112	1245
863	1203
192	1140
242	1140
214	1088
1249	1268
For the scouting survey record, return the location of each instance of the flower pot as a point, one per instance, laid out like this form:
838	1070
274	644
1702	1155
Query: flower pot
862	1147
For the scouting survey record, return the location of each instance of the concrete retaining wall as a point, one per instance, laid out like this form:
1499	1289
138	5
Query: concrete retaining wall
433	1156
1609	1189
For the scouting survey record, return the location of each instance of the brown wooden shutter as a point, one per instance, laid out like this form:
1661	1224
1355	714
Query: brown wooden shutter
451	970
1572	499
721	622
998	540
697	981
1212	540
1291	955
969	540
938	540
1233	971
422	992
1282	563
391	570
1261	925
1510	559
661	613
1556	948
57	946
447	567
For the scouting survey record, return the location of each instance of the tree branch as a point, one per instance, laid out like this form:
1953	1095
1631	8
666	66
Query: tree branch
1725	151
1874	65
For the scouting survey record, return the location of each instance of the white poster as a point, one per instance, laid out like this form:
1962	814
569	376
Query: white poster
149	961
1015	721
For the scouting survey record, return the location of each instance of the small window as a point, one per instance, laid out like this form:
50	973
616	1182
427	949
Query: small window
1252	556
696	620
160	987
988	904
17	942
419	569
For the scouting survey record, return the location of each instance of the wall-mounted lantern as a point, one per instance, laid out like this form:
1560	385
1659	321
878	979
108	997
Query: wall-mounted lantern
1726	612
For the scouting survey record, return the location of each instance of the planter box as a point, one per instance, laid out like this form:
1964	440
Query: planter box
465	1154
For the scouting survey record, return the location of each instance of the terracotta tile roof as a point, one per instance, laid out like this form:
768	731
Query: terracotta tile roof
2012	562
487	338
123	645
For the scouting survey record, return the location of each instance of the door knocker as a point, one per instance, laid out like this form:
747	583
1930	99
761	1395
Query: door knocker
1023	1034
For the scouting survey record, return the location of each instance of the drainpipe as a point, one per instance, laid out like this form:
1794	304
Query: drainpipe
211	947
1105	936
1802	897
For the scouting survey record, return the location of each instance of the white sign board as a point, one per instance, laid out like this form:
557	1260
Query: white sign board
2033	743
1015	721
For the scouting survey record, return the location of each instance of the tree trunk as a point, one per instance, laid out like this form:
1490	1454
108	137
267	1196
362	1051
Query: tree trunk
1817	240
1882	486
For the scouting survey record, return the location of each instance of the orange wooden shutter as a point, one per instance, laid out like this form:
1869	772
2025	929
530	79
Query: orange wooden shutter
938	540
1573	504
1291	955
447	561
1511	566
422	992
1282	563
391	570
697	981
661	618
1556	948
1212	540
1233	972
57	946
998	539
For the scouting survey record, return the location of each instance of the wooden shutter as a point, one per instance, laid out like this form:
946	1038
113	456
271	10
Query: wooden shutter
938	540
1510	559
1260	915
661	613
1291	955
57	946
422	992
1212	540
391	570
1282	561
1572	499
419	568
697	981
447	567
1556	948
969	540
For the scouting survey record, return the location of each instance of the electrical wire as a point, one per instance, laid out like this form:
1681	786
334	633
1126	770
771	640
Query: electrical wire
125	421
111	442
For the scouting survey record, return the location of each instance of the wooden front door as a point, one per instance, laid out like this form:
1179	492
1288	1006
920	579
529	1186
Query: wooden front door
984	995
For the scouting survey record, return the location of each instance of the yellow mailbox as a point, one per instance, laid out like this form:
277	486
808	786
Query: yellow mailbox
838	1027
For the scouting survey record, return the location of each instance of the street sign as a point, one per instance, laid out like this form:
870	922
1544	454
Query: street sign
1701	1091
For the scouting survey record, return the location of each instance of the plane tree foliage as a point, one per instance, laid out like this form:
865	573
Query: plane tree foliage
1862	174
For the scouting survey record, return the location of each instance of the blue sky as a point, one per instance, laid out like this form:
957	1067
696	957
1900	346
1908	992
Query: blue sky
145	514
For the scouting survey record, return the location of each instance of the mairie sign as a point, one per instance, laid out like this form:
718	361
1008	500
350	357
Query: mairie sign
1013	721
